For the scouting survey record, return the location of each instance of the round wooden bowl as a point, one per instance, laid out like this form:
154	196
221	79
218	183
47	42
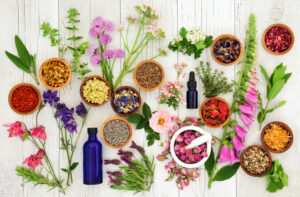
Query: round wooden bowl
221	37
245	170
121	88
81	89
11	94
264	39
43	80
285	127
139	65
107	121
204	103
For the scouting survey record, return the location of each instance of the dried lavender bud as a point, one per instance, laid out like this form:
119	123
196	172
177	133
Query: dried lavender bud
127	160
114	181
138	148
113	161
115	173
125	153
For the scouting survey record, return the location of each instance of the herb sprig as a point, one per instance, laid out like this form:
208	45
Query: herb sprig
214	82
276	178
274	85
25	61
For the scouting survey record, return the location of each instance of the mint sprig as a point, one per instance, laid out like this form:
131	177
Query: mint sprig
276	178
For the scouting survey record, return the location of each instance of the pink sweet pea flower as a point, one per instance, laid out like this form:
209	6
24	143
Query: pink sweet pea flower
16	129
247	109
233	156
237	144
224	154
39	132
240	132
160	122
246	120
250	98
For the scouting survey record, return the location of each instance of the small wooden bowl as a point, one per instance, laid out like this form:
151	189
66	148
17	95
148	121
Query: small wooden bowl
285	127
264	39
204	103
139	65
43	80
11	94
221	37
121	88
81	89
245	170
107	121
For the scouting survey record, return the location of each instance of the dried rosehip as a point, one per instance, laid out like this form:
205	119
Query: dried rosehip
278	39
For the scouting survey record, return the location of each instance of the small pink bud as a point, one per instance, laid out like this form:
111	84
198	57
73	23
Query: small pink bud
175	170
192	137
167	167
189	152
179	138
187	161
165	152
187	141
197	149
180	186
171	164
186	182
160	157
182	157
194	120
196	175
177	147
213	141
182	150
184	171
204	154
175	127
198	134
166	145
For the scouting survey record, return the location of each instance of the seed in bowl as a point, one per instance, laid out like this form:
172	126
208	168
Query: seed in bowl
149	75
55	73
193	155
24	99
227	50
116	132
126	101
255	160
276	137
95	91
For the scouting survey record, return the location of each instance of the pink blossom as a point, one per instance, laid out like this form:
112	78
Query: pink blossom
247	109
237	144
250	84
119	53
246	120
108	54
189	152
182	157
187	161
34	160
184	171
179	138
195	174
254	80
105	39
39	132
233	156
252	91
224	154
166	145
167	167
174	118
92	49
186	182
160	121
120	27
160	157
180	186
132	19
16	129
177	147
171	164
108	26
98	22
197	149
240	132
251	98
95	32
182	150
193	120
95	59
197	157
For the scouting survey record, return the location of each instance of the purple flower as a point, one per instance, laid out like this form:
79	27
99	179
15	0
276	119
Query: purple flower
105	39
127	154
108	54
237	144
119	53
250	98
113	161
224	154
108	26
92	49
138	148
98	22
128	161
95	59
50	97
240	132
247	109
246	120
114	181
233	156
94	32
71	126
64	113
81	110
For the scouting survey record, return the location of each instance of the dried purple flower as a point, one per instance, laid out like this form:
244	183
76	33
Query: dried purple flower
125	153
113	161
115	173
128	161
81	110
138	148
114	181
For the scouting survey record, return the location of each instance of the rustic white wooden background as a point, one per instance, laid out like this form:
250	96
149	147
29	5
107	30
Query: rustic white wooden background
215	17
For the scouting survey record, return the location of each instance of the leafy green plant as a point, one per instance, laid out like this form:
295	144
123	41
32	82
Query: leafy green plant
142	122
25	61
275	83
214	82
191	42
276	178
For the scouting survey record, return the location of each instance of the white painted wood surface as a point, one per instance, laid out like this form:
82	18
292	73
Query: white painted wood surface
215	17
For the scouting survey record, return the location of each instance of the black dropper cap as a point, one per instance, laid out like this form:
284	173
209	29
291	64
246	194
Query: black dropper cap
192	83
92	130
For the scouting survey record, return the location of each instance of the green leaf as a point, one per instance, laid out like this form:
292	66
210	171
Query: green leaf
146	111
226	172
287	76
278	73
150	142
208	41
182	32
277	86
277	106
17	61
73	166
23	52
200	45
209	164
33	63
261	116
141	124
265	74
134	118
65	170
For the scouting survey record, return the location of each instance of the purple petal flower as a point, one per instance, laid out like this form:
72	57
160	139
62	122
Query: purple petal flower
246	120
96	59
108	54
224	154
98	22
240	132
247	109
81	110
250	98
71	126
50	97
94	32
233	156
119	53
108	26
138	148
105	39
237	144
92	49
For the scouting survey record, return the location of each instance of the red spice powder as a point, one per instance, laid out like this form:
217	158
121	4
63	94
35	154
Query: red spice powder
215	112
278	39
25	99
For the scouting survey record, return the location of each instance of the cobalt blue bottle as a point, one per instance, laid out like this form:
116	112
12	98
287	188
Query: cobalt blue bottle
192	94
92	159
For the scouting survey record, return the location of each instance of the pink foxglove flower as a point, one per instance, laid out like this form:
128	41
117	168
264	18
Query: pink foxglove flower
246	120
237	144
105	39
160	122
247	109
39	132
240	132
224	154
251	98
250	85
95	59
252	91
16	129
233	156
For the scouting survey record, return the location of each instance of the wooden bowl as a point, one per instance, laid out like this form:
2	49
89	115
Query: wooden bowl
81	89
245	170
264	41
43	80
107	121
285	127
220	99
221	37
121	88
11	94
139	65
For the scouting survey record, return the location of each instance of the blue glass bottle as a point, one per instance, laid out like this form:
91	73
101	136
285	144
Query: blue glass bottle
192	94
92	159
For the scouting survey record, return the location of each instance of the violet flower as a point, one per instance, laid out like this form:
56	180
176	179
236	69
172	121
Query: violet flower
247	109
71	126
95	59
92	49
50	97
125	153
138	148
81	110
112	161
224	154
119	53
115	173
105	39
246	120
237	144
240	132
98	22
108	54
114	181
233	156
128	161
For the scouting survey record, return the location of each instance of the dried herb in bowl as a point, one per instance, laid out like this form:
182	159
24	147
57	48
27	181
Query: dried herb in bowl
278	39
116	132
95	91
276	137
126	100
227	50
149	75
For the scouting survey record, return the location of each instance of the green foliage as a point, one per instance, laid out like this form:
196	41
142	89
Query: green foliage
214	83
142	122
209	164
187	47
52	33
276	178
226	172
275	83
25	61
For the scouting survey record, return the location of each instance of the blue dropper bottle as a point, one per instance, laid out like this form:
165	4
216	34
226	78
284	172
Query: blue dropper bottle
192	94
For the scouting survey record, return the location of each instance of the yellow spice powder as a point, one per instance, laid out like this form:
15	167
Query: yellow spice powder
95	91
276	137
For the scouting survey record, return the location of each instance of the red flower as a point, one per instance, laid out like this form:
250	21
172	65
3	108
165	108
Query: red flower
39	132
222	107
16	129
34	160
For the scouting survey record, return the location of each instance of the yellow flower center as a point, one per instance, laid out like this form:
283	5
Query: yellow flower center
161	121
